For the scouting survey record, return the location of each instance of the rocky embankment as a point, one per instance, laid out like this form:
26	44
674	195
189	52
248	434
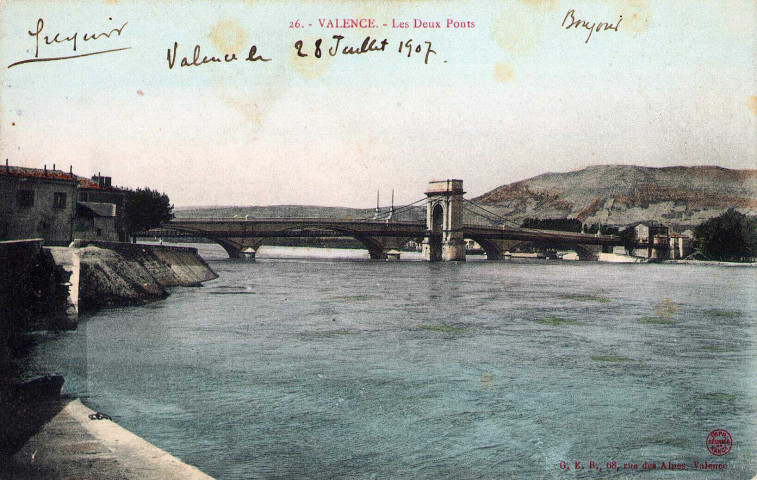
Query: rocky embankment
115	274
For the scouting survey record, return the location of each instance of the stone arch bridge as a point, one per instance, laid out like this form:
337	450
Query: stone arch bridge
450	220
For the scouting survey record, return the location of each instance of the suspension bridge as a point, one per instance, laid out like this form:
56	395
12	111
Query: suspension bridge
450	219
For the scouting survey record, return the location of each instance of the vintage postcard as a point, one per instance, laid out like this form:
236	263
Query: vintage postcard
255	239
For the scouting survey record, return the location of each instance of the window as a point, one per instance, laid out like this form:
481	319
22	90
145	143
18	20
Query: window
25	198
99	232
83	196
59	200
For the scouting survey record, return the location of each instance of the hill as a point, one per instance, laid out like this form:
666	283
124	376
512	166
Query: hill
681	197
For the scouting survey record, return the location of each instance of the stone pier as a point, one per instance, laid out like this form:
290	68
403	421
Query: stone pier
444	222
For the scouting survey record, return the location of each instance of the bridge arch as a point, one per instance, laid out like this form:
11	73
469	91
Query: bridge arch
437	220
584	251
235	246
495	248
234	250
491	249
376	249
587	252
435	226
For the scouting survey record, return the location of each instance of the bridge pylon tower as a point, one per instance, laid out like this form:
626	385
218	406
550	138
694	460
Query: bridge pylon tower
444	222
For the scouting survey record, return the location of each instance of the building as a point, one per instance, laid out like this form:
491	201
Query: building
59	206
646	230
96	221
652	240
37	203
681	244
98	189
655	240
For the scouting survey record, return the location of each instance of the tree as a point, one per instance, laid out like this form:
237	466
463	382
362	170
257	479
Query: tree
146	209
605	229
561	224
628	237
731	236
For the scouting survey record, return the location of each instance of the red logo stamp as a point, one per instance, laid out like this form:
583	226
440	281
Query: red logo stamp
719	442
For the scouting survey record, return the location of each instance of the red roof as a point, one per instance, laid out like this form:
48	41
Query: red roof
87	183
52	174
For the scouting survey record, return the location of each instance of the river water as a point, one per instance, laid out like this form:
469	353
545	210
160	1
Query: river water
348	368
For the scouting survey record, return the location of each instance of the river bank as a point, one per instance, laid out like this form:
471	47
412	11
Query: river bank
45	288
117	274
71	442
714	263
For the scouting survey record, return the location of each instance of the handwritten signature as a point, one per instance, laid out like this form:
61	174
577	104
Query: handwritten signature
591	27
72	39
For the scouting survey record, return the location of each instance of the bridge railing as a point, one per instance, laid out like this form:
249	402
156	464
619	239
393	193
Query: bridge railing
384	217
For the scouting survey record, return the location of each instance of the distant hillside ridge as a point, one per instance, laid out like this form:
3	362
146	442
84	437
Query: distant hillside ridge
619	195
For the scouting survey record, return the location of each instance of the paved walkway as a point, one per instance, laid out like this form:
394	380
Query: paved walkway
72	446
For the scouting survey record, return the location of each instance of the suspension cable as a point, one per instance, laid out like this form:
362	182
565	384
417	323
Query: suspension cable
481	215
503	219
397	210
405	207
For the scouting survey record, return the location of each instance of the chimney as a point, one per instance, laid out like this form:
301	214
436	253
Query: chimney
53	167
45	169
7	167
71	171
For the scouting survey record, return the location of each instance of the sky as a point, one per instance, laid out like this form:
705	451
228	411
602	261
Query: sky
514	96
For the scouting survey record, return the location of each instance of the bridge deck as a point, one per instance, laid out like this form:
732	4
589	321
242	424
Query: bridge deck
324	227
